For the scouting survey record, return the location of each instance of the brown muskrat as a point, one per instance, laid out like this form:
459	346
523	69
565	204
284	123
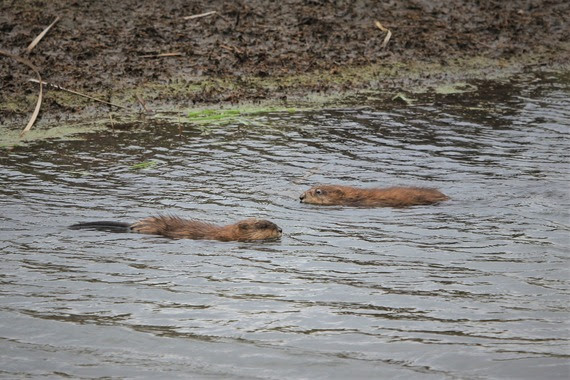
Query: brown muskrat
387	197
178	228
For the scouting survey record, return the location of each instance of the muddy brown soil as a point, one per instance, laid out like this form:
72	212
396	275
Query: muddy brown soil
105	47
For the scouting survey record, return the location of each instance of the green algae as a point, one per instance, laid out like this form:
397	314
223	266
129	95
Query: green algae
168	101
54	130
455	88
225	116
10	138
212	115
144	165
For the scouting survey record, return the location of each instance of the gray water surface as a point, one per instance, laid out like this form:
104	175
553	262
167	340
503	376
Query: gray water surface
473	288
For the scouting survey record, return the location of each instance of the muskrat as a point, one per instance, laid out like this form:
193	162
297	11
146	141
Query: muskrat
387	197
178	228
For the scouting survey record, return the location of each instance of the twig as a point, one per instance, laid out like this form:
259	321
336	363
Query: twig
388	33
40	36
200	15
232	49
142	103
77	93
40	95
174	54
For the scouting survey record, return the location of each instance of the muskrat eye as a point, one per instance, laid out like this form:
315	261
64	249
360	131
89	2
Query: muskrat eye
318	191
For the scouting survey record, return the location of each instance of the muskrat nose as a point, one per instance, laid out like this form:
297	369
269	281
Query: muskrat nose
302	197
280	230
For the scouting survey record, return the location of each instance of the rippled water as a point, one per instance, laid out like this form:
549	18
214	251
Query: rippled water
476	287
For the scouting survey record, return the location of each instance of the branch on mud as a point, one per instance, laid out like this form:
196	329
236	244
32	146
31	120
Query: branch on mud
40	36
40	95
142	103
161	55
36	71
200	15
77	93
388	33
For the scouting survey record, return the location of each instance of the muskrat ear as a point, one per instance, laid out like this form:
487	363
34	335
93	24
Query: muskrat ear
243	226
263	224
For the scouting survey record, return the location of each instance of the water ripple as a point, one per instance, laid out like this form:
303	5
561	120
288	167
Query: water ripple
474	287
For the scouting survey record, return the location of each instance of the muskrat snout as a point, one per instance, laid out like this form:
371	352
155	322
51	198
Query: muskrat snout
301	197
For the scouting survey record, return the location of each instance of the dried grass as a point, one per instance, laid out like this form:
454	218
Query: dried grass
41	35
388	33
30	65
200	15
161	55
57	87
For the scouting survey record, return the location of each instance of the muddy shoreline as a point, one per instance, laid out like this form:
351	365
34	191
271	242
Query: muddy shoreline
260	51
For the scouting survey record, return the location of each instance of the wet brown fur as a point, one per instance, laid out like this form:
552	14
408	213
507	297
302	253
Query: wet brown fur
387	197
178	228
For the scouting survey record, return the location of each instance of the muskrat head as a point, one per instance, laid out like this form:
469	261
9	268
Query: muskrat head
323	195
258	229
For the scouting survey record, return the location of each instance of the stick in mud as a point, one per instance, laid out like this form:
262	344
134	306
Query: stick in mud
58	87
40	95
41	35
162	55
200	15
384	29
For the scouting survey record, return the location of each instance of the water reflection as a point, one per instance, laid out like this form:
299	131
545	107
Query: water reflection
474	287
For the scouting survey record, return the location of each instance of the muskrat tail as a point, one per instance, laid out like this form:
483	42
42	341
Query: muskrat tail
102	226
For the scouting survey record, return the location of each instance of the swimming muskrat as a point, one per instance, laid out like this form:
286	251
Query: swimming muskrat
178	228
387	197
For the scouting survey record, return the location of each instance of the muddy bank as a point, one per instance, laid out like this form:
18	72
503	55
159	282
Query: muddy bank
260	50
